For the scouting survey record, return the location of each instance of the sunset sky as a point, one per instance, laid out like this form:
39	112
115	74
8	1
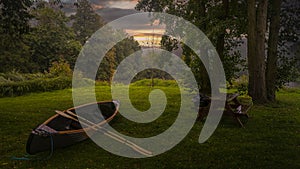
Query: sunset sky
113	9
122	4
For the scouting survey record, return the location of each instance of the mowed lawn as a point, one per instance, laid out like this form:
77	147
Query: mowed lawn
270	139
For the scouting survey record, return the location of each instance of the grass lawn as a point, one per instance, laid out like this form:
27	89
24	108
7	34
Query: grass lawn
270	139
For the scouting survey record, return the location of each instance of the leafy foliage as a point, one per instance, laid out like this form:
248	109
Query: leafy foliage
51	39
12	58
241	84
107	66
115	56
14	17
16	84
38	85
14	23
219	20
86	21
286	72
288	44
60	68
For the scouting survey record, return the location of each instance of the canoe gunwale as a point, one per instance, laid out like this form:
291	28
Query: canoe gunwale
63	138
85	128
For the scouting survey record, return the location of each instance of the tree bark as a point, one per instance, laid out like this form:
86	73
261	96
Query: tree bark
256	49
251	45
271	70
221	38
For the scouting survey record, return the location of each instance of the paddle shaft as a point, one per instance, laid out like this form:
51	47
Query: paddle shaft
125	141
107	133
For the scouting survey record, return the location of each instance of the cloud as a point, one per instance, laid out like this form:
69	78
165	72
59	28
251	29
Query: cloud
148	35
135	22
110	14
98	4
124	4
95	6
108	9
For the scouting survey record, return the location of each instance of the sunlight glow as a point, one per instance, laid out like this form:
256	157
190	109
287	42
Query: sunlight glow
147	37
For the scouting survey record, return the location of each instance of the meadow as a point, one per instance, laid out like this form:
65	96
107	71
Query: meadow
270	139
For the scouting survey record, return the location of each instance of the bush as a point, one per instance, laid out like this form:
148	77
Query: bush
245	99
12	76
241	84
32	76
3	80
38	85
60	68
15	76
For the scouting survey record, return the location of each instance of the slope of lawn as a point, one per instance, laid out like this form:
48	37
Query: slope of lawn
270	139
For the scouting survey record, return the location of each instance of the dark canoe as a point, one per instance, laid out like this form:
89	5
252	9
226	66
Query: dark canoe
59	131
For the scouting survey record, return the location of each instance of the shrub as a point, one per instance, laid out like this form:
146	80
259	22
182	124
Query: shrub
15	76
3	80
60	68
241	84
12	76
37	85
32	76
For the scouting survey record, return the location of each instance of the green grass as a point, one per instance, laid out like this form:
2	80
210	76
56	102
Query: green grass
270	139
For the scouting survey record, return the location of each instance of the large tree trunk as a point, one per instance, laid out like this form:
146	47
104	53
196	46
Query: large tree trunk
271	71
251	44
204	81
221	38
257	22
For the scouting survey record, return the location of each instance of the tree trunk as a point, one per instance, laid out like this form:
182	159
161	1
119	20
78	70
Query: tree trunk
260	85
256	49
221	38
271	71
251	45
204	82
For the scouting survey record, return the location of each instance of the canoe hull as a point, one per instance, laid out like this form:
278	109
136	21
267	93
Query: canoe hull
59	131
37	143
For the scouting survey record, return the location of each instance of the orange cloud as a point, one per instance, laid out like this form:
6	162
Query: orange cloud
95	6
147	37
145	31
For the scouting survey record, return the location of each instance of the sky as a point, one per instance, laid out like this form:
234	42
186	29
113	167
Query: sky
122	4
110	10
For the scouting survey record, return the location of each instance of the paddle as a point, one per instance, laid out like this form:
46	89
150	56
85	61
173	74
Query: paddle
106	132
112	133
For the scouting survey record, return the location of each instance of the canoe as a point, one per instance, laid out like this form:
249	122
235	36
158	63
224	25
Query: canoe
60	131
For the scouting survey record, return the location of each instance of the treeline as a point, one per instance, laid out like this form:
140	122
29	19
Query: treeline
34	35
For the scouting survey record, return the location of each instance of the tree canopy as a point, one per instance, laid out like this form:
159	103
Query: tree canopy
36	36
86	21
51	39
266	25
